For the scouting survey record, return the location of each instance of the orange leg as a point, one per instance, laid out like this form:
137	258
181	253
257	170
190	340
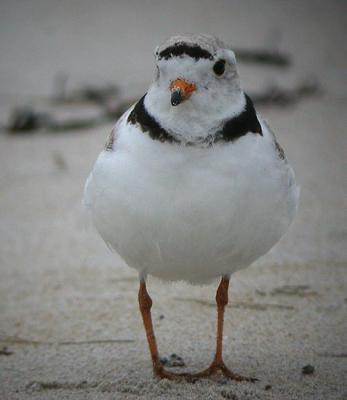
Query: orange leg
145	303
218	365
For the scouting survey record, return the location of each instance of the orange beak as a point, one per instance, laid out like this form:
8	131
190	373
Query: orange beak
181	90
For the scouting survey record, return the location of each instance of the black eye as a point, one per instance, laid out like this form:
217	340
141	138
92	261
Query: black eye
219	67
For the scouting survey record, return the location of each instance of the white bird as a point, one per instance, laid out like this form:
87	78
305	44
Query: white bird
192	185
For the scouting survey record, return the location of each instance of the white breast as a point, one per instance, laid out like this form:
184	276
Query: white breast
187	213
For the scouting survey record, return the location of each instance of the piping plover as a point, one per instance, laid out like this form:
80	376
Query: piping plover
191	185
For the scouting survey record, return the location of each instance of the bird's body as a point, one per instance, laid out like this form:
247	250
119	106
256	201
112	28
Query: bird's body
190	212
194	188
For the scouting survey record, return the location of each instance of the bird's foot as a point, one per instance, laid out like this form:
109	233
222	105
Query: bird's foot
215	369
219	368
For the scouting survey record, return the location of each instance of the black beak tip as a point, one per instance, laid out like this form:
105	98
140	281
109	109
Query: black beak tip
176	98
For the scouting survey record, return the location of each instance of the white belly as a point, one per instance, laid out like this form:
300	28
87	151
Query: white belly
184	213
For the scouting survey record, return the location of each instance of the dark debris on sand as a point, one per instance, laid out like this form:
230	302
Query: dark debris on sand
172	361
308	369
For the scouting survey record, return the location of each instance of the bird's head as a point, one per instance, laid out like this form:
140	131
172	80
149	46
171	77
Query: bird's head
196	85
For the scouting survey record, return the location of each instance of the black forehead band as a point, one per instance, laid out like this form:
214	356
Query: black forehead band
180	49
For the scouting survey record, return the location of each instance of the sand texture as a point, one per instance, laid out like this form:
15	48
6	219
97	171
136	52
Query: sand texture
69	321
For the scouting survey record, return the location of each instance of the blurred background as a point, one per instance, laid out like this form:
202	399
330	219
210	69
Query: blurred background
68	307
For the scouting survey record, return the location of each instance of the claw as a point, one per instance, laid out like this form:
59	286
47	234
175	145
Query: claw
213	370
220	368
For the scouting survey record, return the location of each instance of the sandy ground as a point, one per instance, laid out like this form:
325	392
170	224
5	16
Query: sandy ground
68	307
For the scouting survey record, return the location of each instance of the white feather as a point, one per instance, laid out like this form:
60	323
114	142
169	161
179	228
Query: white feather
185	213
188	212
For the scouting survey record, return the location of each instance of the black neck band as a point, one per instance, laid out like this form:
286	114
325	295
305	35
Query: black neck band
246	122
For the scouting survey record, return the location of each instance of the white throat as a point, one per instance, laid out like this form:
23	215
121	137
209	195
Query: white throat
197	117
